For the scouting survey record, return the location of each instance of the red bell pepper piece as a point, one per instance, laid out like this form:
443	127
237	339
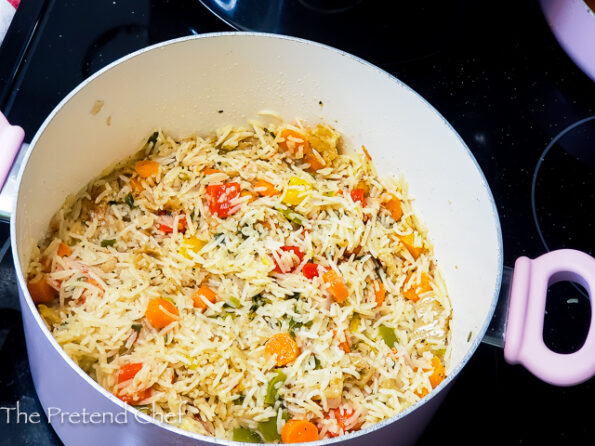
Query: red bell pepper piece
310	270
358	195
220	196
296	251
129	371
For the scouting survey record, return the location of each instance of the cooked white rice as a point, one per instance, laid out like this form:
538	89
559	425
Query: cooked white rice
209	368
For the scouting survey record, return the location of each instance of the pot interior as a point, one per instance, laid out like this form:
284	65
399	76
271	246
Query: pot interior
198	84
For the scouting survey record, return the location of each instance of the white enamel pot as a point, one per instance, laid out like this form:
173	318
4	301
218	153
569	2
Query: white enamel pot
181	86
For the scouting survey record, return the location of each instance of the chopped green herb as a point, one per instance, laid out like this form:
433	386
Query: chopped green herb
183	176
239	400
294	325
108	242
169	299
129	200
354	322
440	351
378	267
469	336
219	238
112	202
153	138
234	302
271	395
257	301
388	335
291	215
137	327
331	193
245	435
268	132
317	364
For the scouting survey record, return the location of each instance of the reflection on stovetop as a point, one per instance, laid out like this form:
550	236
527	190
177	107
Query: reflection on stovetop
497	75
380	32
563	192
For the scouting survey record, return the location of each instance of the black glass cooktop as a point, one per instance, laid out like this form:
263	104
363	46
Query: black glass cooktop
493	70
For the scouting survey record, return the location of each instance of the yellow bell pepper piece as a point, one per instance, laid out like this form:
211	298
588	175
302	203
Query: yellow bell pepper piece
191	244
297	191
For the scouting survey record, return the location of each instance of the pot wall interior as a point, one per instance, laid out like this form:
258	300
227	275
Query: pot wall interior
182	86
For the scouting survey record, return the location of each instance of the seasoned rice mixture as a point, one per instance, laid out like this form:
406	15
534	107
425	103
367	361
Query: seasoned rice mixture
255	284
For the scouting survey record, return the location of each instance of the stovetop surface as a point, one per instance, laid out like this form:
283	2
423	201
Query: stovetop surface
497	75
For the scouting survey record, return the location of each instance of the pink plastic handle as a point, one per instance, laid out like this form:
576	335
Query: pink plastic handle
11	138
524	332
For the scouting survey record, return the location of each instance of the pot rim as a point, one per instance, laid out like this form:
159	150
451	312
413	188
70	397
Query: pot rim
214	440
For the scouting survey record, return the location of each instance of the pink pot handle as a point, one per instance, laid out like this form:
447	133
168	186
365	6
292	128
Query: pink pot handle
11	138
524	332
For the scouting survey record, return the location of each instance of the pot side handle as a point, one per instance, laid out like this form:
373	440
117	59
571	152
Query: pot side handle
11	138
524	331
